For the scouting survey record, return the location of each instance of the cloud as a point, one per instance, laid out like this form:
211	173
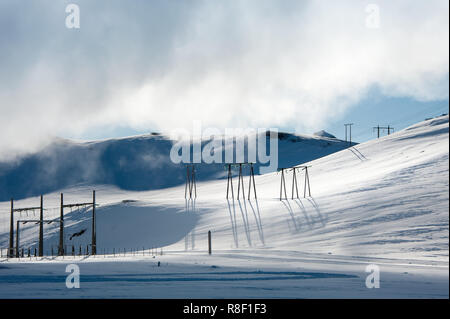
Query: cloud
160	65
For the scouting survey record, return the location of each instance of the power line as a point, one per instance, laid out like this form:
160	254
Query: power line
407	119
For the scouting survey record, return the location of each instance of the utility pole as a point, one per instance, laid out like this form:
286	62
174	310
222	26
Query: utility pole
350	131
17	240
389	129
41	228
61	228
94	234
382	128
378	130
62	248
11	232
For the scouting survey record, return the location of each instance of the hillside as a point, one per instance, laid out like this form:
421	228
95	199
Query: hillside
386	196
134	163
383	202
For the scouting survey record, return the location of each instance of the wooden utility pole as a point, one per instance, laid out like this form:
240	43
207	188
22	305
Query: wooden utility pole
11	226
350	131
378	128
389	128
11	231
94	231
17	239
61	228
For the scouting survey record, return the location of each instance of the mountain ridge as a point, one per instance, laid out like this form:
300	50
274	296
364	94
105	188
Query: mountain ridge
139	162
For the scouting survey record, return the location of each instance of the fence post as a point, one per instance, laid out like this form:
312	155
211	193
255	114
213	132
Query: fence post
209	243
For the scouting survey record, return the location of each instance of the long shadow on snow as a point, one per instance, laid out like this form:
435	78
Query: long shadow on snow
310	220
127	226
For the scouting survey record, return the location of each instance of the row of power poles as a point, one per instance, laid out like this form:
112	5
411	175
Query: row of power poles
241	180
294	181
15	251
378	129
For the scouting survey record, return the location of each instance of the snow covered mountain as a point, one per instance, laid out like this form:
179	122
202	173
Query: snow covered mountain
383	202
323	133
385	196
134	163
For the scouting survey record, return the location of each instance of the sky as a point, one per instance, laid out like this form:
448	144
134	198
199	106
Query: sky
141	66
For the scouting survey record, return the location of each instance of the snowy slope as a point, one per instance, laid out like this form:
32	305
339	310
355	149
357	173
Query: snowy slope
385	201
384	197
387	197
